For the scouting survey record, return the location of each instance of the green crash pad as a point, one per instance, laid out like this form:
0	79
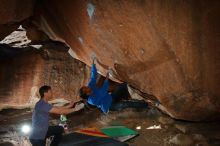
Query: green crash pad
121	133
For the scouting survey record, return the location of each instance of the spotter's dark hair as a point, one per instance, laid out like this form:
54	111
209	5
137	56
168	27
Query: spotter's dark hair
44	89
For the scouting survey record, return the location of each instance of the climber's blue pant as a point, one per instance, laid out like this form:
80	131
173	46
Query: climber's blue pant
137	104
120	93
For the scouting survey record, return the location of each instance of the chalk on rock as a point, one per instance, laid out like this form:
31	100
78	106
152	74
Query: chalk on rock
90	10
134	94
93	56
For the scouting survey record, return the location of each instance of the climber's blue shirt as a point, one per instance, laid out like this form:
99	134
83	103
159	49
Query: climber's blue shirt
100	96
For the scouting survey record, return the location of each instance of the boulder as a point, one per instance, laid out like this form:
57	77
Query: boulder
22	73
167	49
12	13
183	128
181	140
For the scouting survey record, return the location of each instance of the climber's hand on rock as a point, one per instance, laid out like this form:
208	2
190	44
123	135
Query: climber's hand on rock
93	57
79	106
73	104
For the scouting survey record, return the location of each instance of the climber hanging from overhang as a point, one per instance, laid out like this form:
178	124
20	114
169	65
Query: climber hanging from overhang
101	98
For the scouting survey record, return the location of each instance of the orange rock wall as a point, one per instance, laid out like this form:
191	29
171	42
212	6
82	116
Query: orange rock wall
166	48
21	75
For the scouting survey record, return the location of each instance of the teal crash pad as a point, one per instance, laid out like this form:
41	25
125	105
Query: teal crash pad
120	133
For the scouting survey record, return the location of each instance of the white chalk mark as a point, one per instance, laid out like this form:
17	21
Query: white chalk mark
80	40
90	10
73	54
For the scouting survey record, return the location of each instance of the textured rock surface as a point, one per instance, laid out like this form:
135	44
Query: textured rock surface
181	140
165	48
168	49
12	13
25	69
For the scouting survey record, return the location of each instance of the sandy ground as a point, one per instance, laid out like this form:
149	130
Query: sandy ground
155	129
